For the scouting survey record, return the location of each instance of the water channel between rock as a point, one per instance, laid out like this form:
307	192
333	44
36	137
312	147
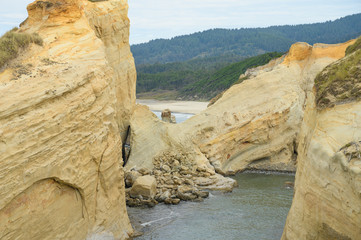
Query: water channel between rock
256	209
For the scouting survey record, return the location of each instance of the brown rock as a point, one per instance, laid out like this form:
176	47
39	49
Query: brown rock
167	116
130	177
145	186
201	181
175	201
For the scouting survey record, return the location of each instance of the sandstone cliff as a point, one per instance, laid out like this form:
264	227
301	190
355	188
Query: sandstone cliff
255	124
327	200
64	110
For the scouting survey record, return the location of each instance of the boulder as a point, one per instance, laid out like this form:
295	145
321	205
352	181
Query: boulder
130	177
145	186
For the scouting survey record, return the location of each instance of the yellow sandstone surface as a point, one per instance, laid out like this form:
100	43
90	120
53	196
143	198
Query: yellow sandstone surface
254	125
327	199
64	110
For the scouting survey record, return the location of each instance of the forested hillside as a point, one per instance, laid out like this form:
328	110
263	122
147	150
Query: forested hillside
245	42
208	87
195	79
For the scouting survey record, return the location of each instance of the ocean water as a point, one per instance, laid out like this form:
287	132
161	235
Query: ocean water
255	210
180	117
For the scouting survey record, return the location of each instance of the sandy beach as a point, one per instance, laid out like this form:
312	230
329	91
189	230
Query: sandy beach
174	106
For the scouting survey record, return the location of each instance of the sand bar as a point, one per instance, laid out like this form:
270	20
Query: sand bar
174	106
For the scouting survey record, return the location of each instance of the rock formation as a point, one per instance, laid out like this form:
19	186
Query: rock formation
254	125
167	116
62	123
327	200
67	106
172	158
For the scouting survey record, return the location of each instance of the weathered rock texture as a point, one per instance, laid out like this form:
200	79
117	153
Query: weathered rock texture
327	200
62	122
254	125
163	151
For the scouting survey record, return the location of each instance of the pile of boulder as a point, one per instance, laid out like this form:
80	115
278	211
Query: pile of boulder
174	178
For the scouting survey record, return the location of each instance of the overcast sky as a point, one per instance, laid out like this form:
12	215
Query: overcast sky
151	19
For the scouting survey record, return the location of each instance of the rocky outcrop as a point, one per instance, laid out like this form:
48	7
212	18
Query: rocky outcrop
167	116
255	124
327	200
161	150
62	123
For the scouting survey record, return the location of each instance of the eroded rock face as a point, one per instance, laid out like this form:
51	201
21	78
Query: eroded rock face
255	124
327	200
62	123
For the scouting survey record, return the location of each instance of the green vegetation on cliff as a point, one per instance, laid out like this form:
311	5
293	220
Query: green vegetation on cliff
174	76
354	47
245	42
12	42
210	86
195	79
340	82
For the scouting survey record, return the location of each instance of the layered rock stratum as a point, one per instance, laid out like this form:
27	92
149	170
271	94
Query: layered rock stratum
63	121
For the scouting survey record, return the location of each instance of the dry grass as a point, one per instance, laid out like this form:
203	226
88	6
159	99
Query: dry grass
354	47
13	41
340	82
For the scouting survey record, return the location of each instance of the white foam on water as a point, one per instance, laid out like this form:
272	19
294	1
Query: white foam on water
171	215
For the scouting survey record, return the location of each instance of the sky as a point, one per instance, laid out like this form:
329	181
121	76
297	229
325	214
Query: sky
153	19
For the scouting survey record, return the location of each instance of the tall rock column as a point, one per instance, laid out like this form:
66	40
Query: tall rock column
62	122
327	200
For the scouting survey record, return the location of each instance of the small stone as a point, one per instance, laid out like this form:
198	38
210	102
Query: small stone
186	196
199	199
206	174
185	189
130	177
169	182
202	194
178	182
164	196
201	169
201	181
184	168
144	171
166	168
188	182
175	201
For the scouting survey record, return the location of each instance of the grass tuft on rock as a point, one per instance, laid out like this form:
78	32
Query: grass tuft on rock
340	82
13	41
354	47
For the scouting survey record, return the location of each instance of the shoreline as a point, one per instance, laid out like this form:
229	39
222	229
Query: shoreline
191	107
